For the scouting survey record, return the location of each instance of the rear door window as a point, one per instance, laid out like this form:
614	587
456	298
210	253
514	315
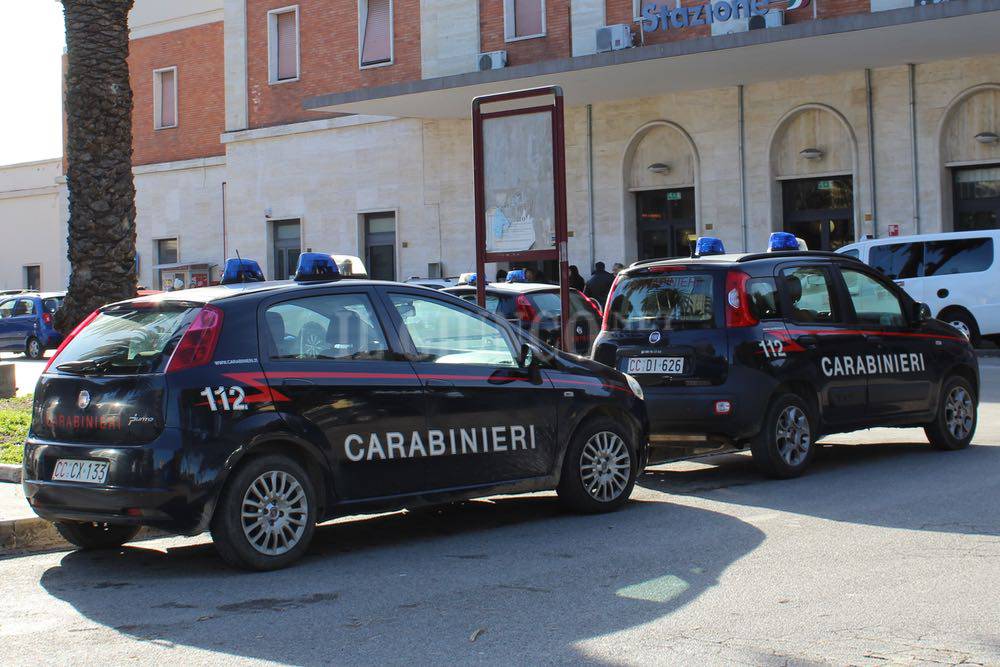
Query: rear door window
764	302
24	307
897	261
678	300
332	326
809	295
943	258
128	338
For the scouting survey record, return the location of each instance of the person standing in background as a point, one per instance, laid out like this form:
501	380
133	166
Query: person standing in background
618	266
599	285
576	281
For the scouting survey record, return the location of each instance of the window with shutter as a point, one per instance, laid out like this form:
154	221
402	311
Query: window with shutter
376	32
527	17
286	27
165	98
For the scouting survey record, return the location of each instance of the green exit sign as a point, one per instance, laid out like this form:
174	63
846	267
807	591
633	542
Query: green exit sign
825	185
673	196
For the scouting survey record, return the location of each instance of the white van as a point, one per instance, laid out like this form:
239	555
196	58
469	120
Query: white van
955	273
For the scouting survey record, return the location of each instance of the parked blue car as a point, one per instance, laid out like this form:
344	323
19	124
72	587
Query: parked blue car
26	323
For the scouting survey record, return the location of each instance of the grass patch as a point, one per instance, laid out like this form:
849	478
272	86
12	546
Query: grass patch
15	418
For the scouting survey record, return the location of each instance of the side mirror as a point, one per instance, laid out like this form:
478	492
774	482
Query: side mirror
921	312
526	357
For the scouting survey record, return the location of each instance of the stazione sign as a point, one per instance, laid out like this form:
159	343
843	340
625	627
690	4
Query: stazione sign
663	16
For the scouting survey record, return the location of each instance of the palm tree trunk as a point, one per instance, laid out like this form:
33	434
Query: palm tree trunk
99	154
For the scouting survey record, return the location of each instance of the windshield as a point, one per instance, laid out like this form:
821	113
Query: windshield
128	338
673	301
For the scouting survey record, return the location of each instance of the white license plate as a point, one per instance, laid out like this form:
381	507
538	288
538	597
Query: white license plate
660	365
88	472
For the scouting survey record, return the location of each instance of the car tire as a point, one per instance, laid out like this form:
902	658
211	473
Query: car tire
33	348
94	536
600	467
954	424
787	441
282	494
964	322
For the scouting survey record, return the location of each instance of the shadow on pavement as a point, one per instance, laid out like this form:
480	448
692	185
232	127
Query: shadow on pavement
513	580
905	485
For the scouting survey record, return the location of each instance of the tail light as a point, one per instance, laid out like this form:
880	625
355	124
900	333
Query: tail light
197	346
607	306
72	334
738	313
525	310
47	318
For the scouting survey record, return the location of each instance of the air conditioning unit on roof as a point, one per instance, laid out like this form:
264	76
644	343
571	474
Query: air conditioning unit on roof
492	60
614	38
772	19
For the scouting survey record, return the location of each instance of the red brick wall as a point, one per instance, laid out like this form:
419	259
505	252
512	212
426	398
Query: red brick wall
201	108
328	44
556	43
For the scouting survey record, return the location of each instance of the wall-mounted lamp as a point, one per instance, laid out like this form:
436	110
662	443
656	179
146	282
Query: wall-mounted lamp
659	168
988	137
811	153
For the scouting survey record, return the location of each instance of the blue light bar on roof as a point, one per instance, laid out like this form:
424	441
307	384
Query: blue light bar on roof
782	241
315	267
709	245
517	276
241	271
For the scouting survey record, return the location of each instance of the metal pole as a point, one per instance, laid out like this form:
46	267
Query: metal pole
480	199
913	149
590	183
871	150
743	171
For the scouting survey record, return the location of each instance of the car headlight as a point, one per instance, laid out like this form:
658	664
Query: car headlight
634	385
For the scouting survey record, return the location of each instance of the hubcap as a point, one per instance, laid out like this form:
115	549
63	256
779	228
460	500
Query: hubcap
962	327
605	466
959	413
33	348
274	513
792	435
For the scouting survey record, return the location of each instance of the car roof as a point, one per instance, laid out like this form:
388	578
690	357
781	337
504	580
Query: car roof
913	238
506	288
221	292
719	261
34	295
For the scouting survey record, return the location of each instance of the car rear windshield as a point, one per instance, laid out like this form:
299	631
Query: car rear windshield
52	304
663	301
130	338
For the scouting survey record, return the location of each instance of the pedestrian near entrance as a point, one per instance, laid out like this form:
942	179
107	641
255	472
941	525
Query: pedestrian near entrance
618	266
576	281
599	285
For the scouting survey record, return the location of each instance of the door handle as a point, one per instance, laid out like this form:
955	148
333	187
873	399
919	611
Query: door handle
445	386
807	341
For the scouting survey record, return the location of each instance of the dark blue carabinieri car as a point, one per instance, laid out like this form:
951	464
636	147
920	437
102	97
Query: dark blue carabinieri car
255	410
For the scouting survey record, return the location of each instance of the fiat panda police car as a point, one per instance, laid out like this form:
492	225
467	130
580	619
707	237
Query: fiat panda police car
771	351
257	409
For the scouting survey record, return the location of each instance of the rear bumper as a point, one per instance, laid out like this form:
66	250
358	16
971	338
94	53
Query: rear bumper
692	411
151	484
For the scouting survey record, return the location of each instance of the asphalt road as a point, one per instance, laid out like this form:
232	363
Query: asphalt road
882	554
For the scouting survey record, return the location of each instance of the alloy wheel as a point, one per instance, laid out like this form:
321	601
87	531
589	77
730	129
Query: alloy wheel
274	513
605	466
962	327
959	413
792	435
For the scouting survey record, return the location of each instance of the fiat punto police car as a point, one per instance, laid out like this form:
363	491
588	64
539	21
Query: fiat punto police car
257	409
770	351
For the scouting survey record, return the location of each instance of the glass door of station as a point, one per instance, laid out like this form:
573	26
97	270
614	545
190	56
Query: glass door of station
977	198
820	211
665	222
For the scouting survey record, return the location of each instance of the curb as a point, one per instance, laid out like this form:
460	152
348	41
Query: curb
20	537
10	472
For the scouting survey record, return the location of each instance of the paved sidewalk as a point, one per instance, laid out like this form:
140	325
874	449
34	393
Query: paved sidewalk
26	371
12	503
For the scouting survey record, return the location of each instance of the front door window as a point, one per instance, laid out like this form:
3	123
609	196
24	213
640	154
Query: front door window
820	211
665	220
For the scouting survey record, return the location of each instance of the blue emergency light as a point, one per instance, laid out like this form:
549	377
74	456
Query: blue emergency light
709	245
517	276
782	241
316	267
241	271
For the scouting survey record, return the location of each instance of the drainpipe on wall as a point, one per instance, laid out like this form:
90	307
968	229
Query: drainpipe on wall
223	221
913	147
871	150
590	183
743	170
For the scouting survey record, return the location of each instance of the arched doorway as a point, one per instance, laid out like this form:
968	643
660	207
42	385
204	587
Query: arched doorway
813	161
661	203
970	154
